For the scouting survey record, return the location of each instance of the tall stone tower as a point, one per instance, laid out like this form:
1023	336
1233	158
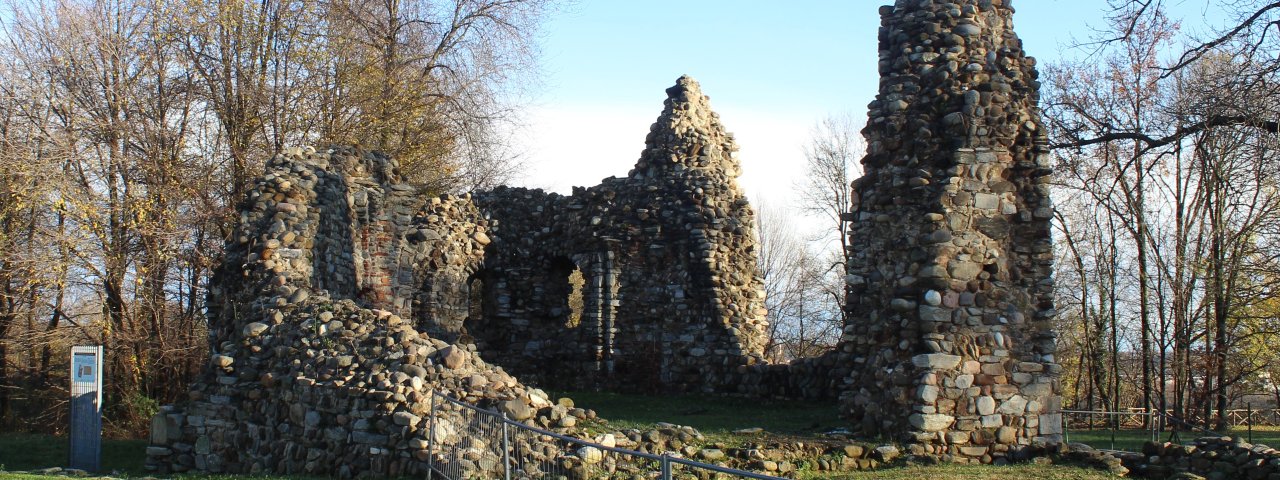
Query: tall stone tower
949	340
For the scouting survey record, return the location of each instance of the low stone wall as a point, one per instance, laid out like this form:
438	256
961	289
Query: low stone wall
1215	458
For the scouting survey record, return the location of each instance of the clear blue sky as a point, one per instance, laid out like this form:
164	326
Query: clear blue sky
772	69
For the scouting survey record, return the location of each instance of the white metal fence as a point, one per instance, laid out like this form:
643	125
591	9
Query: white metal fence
467	442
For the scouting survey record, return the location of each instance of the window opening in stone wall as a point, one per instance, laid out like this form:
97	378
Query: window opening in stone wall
475	301
576	284
566	293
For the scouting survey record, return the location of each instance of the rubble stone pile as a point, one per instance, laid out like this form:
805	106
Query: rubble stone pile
303	380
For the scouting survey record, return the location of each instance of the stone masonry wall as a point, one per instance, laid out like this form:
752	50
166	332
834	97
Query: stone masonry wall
950	280
346	296
672	298
312	372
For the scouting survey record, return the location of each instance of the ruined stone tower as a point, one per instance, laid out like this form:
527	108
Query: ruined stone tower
950	282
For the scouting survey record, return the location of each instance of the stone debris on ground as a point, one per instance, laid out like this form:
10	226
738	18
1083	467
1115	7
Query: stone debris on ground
1210	457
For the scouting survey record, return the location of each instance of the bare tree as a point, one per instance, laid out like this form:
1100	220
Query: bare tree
1181	155
804	318
831	163
246	62
1123	95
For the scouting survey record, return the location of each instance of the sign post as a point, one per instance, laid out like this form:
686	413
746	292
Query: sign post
86	408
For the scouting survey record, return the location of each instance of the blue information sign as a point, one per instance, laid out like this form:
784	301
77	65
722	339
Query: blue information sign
86	408
84	367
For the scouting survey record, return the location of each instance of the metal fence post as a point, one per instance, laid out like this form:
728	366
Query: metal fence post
1155	426
1115	425
1066	428
1249	420
506	449
666	467
431	438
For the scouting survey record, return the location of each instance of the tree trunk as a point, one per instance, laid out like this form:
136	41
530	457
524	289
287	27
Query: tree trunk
5	411
1144	294
46	354
1220	311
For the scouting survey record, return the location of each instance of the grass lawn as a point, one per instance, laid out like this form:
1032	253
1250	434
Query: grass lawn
716	417
30	451
1132	440
120	458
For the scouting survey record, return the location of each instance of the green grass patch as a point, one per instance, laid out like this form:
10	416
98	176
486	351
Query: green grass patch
33	451
716	417
1132	440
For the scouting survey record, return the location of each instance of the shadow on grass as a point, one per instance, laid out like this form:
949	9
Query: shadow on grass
1132	440
24	451
711	415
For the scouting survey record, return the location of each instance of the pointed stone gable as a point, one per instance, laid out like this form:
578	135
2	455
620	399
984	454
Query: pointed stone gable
688	135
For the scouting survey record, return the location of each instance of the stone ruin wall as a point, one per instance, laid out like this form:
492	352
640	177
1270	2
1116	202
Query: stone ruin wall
950	282
667	253
672	299
346	296
303	379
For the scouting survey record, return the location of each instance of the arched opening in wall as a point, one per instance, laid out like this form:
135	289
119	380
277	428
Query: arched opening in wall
576	283
565	294
475	299
476	323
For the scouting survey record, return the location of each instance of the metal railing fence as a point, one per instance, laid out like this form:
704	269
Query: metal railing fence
466	442
1151	423
1237	417
1114	422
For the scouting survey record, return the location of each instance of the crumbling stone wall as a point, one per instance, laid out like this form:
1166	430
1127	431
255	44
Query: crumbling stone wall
346	296
671	301
312	370
672	298
950	280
